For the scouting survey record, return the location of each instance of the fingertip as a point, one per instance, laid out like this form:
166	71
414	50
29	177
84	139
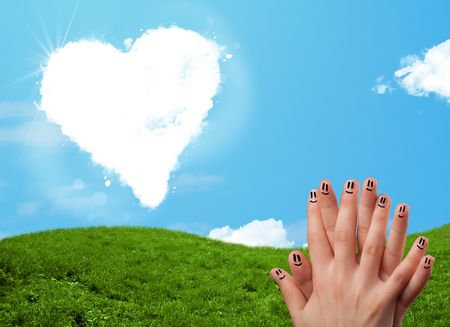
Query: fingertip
296	258
325	187
402	210
383	201
277	274
370	184
313	198
428	262
421	243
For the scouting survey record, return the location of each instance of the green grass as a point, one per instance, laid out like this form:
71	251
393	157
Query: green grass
153	277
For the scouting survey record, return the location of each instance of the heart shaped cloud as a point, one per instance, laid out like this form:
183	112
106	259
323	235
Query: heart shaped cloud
136	111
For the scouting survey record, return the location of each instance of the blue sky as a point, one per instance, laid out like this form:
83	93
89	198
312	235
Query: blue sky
296	105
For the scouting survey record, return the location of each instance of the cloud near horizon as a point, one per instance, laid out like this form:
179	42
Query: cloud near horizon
269	232
136	111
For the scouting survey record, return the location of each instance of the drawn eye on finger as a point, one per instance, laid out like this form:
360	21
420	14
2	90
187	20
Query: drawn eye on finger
297	259
280	274
427	263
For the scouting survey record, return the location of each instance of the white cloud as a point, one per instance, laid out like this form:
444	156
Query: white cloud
134	112
420	77
381	86
28	209
128	42
268	232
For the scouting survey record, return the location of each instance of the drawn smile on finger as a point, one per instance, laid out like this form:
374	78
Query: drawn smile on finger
280	274
421	244
350	187
324	190
297	260
427	263
382	202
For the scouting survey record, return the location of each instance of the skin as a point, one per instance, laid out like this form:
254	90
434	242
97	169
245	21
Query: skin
345	287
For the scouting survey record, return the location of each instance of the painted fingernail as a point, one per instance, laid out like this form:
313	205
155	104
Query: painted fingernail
297	259
382	201
313	196
350	187
324	188
421	243
428	263
402	211
369	186
280	274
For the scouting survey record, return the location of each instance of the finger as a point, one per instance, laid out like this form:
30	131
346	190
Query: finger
404	271
328	209
374	243
301	271
414	288
365	211
395	245
345	232
318	245
293	297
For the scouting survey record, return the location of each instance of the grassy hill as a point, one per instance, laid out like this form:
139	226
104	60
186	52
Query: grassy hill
154	277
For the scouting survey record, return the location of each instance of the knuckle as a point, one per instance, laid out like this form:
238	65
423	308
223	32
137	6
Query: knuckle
371	250
314	237
389	252
330	228
363	230
341	235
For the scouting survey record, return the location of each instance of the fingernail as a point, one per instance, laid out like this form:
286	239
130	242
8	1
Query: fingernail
313	196
324	188
382	201
421	243
350	187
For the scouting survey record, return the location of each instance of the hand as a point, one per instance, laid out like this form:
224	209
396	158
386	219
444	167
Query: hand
368	289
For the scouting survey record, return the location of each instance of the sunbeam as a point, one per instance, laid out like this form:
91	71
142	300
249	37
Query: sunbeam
74	12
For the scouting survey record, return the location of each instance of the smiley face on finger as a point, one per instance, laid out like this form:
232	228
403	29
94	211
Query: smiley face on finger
421	243
427	263
382	202
324	189
401	212
369	186
297	259
313	196
280	274
350	188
